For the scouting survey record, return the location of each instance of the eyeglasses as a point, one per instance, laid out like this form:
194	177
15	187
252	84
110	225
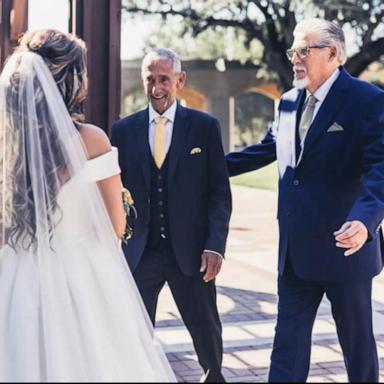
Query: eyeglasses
303	52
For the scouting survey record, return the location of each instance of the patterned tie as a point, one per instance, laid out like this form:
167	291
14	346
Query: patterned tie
159	151
306	118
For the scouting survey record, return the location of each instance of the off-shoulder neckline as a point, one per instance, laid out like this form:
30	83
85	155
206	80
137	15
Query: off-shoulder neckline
112	150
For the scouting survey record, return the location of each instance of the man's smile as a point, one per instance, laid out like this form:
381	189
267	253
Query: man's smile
158	97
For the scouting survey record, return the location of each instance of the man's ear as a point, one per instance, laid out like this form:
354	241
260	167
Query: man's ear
333	53
181	80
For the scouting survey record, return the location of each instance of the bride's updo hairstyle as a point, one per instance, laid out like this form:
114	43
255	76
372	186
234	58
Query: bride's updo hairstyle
32	127
66	57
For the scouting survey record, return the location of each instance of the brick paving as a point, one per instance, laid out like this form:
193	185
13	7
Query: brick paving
247	303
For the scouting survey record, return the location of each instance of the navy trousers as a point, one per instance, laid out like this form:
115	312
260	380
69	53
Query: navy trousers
195	299
299	301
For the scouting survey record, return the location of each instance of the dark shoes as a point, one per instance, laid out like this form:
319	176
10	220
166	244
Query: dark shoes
212	377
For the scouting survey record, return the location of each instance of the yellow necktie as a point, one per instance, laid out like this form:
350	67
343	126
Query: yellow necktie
159	150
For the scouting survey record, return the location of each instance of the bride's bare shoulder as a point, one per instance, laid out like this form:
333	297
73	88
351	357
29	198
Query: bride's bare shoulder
95	140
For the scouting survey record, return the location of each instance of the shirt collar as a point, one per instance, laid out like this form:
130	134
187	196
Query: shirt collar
322	92
170	113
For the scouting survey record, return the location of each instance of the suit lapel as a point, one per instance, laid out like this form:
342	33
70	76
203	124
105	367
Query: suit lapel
179	139
326	115
142	128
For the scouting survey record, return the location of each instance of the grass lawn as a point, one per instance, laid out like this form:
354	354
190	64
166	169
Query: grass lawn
265	178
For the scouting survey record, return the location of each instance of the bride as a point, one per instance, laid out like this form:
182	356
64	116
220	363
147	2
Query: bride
69	309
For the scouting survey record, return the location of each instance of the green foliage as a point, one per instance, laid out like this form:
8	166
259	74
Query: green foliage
261	30
210	44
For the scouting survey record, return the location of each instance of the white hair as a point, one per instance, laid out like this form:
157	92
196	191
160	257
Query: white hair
162	54
330	33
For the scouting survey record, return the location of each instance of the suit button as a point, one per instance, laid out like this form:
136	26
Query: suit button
161	216
161	203
160	190
296	182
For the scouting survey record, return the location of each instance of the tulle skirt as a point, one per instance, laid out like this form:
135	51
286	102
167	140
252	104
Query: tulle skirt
72	312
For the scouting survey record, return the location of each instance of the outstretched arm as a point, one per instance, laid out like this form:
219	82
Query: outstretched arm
365	217
253	157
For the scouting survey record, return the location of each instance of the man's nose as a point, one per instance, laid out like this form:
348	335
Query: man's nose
155	88
295	59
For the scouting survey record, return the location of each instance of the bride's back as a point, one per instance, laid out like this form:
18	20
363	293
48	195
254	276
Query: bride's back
76	207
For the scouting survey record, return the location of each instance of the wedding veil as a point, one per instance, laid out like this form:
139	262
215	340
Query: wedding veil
90	321
40	151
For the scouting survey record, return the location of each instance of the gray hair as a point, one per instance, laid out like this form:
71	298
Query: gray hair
330	33
162	54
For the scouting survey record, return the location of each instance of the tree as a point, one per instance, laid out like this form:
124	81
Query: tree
271	24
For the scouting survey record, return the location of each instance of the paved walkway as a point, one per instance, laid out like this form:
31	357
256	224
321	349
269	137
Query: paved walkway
247	304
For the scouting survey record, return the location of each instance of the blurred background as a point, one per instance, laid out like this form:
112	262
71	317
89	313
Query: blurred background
233	51
234	55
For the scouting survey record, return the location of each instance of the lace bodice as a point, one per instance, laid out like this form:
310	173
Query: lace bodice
77	214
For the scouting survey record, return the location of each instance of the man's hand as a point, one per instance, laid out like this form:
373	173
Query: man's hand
352	235
210	264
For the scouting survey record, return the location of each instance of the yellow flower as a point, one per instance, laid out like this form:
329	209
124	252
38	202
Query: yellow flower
127	196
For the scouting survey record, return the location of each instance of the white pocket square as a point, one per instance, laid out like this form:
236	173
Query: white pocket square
335	128
195	151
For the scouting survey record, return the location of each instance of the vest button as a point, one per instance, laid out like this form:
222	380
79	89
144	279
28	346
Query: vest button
160	190
161	203
296	182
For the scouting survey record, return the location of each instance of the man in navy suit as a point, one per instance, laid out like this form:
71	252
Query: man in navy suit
328	139
173	163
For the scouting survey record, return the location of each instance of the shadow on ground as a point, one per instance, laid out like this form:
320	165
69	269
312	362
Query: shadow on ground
239	305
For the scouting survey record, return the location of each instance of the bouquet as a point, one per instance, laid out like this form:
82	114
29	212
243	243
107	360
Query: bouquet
131	214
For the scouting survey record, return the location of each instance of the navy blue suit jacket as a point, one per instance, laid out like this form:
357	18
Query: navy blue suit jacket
338	177
199	197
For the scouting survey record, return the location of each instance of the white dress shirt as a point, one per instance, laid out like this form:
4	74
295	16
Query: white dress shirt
322	92
170	114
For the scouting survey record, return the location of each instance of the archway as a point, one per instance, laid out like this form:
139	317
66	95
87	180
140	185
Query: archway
192	99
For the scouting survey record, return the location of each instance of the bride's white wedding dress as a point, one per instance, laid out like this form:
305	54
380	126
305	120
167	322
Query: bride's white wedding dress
71	311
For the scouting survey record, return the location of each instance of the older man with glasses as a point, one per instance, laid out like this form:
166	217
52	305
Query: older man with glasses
328	139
